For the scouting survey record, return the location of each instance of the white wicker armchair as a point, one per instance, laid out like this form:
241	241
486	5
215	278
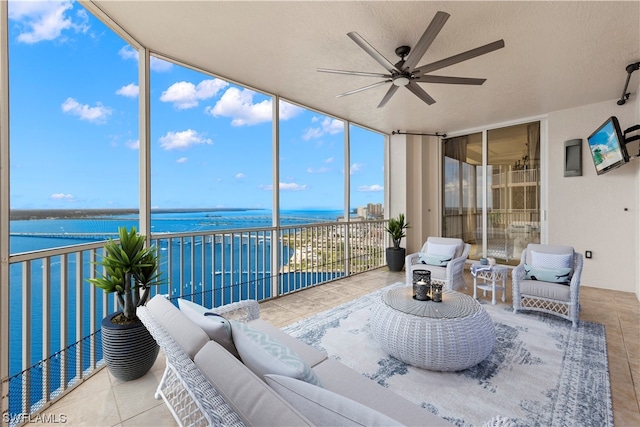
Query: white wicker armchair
451	275
548	297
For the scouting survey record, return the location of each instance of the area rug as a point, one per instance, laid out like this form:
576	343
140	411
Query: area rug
542	372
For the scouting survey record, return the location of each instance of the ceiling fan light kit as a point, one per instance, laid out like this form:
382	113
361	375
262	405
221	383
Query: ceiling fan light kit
404	73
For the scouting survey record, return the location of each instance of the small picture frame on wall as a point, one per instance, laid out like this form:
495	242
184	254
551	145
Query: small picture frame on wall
573	157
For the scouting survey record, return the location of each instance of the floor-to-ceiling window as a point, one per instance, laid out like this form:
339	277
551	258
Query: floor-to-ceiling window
492	190
210	149
311	164
366	173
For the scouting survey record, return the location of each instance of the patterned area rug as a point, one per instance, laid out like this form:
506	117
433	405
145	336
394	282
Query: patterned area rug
542	372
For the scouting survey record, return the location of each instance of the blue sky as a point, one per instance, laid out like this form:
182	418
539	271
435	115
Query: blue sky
74	129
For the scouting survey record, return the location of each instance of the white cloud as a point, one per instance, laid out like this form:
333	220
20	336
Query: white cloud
134	145
130	91
286	186
292	186
355	168
156	64
329	160
41	20
187	95
62	196
96	114
182	140
127	52
240	175
182	160
159	65
239	106
327	126
288	111
369	188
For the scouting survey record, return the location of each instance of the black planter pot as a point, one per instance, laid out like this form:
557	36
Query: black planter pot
129	350
395	258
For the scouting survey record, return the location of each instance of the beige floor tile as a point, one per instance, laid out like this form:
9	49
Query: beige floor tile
97	408
133	397
155	417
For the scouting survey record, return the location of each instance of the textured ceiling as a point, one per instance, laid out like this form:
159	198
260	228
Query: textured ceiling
557	54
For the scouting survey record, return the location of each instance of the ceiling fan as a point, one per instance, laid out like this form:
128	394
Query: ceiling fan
405	73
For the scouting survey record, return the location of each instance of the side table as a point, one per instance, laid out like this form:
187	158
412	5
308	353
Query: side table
492	274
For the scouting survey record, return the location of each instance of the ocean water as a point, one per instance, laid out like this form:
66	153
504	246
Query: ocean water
37	234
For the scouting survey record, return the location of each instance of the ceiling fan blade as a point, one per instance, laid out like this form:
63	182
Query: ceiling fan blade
363	88
448	80
354	73
427	38
372	52
420	93
460	57
388	95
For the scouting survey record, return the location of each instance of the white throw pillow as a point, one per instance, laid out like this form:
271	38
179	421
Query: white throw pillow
325	408
216	326
264	355
440	249
542	259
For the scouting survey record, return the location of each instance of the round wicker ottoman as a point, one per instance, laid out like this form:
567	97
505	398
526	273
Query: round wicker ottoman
452	335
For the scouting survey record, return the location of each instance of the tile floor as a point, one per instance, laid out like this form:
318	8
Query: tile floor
105	401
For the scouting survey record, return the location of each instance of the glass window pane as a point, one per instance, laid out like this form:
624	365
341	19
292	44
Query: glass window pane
74	126
210	149
311	165
366	152
514	183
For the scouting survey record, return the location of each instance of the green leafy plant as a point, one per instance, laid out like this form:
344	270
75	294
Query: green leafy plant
130	269
396	229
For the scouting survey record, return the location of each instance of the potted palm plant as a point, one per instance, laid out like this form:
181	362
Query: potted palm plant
130	269
395	254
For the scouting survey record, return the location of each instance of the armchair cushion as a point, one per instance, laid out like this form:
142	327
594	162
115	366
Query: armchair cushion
547	290
544	274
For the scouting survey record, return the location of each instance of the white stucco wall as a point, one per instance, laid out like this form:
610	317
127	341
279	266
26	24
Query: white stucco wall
591	212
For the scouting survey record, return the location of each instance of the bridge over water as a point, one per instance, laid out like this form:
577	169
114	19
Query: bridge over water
78	236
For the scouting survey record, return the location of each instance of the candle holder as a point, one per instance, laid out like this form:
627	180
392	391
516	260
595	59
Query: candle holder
436	292
422	285
422	291
418	275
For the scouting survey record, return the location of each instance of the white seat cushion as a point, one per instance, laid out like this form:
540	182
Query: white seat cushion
326	408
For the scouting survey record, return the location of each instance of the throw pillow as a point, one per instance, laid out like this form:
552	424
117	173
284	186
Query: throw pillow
216	326
264	355
324	407
439	249
547	260
433	259
554	275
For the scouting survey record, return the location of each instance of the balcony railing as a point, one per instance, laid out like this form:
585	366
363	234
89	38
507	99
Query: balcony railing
55	314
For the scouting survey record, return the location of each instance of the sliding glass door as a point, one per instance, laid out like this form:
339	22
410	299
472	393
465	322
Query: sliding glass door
492	191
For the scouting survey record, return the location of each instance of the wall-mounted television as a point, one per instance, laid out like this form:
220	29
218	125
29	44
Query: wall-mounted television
607	146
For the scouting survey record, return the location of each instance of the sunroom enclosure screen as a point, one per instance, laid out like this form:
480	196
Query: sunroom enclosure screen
492	191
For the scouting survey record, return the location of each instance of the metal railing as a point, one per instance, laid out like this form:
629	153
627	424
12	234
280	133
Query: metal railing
55	314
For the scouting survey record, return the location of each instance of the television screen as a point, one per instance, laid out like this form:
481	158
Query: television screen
607	146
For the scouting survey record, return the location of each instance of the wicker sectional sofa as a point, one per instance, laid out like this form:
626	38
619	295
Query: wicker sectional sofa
207	384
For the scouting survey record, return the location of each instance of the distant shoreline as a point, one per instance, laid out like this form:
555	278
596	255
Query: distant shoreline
22	214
